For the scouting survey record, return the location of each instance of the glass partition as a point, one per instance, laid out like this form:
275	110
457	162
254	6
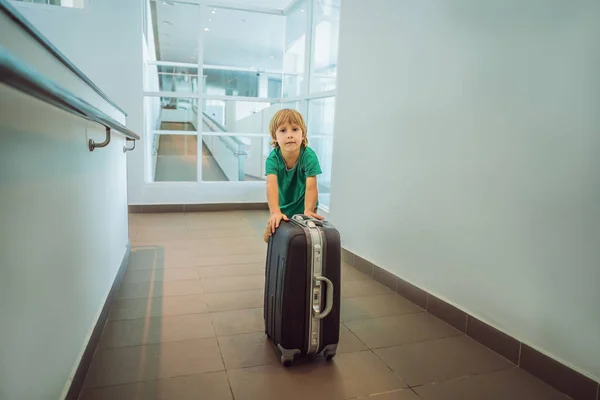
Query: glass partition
175	157
295	49
171	113
177	79
233	157
213	125
320	139
323	68
243	53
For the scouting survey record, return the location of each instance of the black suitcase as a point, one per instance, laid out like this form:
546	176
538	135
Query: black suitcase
302	289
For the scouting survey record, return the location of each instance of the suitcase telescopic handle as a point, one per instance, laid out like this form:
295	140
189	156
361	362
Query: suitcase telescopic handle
306	220
328	299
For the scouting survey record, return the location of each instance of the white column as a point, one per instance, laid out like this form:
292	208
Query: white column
263	85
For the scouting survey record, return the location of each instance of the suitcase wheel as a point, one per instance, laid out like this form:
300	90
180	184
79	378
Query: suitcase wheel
329	355
287	360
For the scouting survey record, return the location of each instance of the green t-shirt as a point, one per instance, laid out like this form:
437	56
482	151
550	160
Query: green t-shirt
292	182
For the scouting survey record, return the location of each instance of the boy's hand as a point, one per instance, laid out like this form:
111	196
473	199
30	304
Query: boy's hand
275	220
313	214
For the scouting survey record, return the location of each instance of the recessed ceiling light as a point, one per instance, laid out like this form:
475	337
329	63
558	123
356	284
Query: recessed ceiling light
301	10
271	56
206	29
214	11
210	19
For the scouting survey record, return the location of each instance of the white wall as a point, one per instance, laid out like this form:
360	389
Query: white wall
63	228
105	41
480	180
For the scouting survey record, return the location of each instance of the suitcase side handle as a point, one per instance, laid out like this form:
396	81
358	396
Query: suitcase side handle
328	299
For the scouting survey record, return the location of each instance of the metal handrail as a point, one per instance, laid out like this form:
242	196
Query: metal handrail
17	74
211	119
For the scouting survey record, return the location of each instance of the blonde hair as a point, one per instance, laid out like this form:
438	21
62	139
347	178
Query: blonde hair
290	116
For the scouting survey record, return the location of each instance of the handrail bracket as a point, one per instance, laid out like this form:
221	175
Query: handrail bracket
125	148
93	145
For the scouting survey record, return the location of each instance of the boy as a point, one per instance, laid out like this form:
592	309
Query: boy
291	170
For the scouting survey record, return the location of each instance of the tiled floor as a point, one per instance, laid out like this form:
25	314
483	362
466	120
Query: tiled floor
188	324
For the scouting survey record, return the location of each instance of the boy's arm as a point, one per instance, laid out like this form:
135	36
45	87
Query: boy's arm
273	194
311	197
273	200
312	194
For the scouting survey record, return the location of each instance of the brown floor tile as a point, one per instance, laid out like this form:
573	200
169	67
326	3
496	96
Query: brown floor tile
349	343
159	219
514	384
175	245
349	375
364	288
232	270
166	257
404	394
210	386
202	232
145	257
159	234
157	222
229	250
215	226
188	256
247	350
158	307
159	289
441	360
238	322
224	243
160	275
349	274
233	283
156	330
155	361
401	329
207	261
214	216
240	300
376	306
153	222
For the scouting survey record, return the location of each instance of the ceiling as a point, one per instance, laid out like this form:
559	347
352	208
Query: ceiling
277	4
231	37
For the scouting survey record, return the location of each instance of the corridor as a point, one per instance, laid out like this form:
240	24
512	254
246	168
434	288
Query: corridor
188	324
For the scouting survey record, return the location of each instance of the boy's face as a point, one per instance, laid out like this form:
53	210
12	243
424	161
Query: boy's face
289	137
